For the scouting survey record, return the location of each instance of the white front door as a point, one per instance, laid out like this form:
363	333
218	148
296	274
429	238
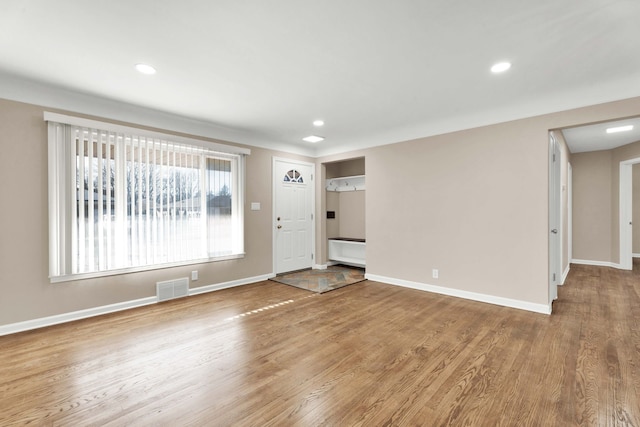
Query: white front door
292	215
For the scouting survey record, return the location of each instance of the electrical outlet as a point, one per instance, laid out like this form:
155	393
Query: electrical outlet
434	272
194	275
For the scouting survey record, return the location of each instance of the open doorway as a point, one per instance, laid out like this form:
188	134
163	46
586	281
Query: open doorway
627	199
602	158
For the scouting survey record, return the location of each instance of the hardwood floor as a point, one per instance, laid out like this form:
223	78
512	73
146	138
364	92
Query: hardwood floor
368	354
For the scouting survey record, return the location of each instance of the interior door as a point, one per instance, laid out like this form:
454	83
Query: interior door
293	215
626	213
555	252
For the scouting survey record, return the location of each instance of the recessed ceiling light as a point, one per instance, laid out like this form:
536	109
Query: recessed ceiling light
318	123
145	69
313	138
620	129
500	67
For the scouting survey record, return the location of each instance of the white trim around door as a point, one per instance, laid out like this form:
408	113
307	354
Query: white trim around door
276	181
555	218
626	217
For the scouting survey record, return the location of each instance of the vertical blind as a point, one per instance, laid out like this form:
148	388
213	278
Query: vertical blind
122	200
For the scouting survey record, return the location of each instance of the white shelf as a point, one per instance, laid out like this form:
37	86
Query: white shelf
346	183
347	251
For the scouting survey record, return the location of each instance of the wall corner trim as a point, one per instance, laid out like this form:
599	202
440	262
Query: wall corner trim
565	274
473	296
42	322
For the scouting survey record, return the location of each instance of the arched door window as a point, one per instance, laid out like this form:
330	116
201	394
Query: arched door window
293	176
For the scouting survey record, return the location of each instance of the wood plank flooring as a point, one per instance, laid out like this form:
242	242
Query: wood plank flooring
368	354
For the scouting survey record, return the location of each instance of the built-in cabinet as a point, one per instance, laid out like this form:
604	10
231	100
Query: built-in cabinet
348	251
345	203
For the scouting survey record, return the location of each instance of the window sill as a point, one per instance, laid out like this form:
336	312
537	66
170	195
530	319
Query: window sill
96	274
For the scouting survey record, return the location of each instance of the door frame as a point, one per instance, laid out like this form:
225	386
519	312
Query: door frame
555	218
569	215
274	182
625	261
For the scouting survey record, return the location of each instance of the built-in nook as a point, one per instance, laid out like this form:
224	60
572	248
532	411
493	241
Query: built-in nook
345	212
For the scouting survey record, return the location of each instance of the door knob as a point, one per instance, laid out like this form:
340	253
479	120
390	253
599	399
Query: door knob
554	231
279	227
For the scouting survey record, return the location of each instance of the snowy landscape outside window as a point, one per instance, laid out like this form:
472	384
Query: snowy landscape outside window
120	200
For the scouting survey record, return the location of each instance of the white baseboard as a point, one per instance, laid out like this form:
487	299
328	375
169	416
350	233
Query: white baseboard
636	255
565	274
42	322
319	266
232	284
505	302
596	263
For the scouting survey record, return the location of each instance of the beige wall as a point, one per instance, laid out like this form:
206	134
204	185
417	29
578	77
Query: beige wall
473	204
351	167
352	214
592	214
596	213
24	286
469	204
347	167
333	204
349	207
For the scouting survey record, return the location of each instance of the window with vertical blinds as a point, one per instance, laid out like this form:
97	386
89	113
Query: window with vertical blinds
122	199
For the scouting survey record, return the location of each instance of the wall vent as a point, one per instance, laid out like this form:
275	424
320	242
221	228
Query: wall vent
171	289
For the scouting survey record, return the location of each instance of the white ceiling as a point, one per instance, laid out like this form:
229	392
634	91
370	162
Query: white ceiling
376	71
595	137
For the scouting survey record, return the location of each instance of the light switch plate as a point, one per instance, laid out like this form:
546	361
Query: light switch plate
255	206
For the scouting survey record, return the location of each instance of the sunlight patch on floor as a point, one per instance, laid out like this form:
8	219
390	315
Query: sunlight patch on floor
258	310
